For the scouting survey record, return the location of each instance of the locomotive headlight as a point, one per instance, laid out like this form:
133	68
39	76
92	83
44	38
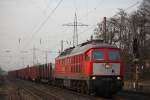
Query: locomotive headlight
118	78
93	78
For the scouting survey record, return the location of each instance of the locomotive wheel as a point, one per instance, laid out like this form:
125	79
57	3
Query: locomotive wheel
82	90
79	87
86	90
78	90
73	85
82	86
107	94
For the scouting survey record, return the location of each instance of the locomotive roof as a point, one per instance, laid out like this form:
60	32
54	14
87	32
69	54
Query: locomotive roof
84	47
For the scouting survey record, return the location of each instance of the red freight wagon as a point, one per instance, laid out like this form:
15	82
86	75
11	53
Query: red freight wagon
92	66
21	73
34	72
26	73
12	74
45	72
18	71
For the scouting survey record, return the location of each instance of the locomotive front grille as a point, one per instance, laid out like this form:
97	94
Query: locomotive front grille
106	69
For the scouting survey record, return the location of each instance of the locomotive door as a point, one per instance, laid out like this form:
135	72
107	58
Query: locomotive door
88	67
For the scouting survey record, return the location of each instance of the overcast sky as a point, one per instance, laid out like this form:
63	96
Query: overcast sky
21	19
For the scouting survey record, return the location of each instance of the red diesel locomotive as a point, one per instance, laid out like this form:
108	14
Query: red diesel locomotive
91	67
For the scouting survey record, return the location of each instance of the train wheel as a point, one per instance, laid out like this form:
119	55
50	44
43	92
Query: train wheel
82	87
86	90
108	95
78	87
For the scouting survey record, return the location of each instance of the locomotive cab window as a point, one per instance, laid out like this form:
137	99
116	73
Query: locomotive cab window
114	55
98	55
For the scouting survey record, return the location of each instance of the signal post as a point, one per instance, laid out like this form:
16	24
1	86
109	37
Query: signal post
136	62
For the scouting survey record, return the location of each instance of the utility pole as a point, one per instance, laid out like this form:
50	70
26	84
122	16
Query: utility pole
104	30
23	58
121	30
46	55
34	54
22	61
45	52
61	46
136	60
75	24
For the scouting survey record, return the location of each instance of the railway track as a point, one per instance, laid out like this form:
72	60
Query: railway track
45	92
39	91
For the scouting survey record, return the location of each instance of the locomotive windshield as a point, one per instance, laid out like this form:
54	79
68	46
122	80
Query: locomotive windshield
98	55
114	55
